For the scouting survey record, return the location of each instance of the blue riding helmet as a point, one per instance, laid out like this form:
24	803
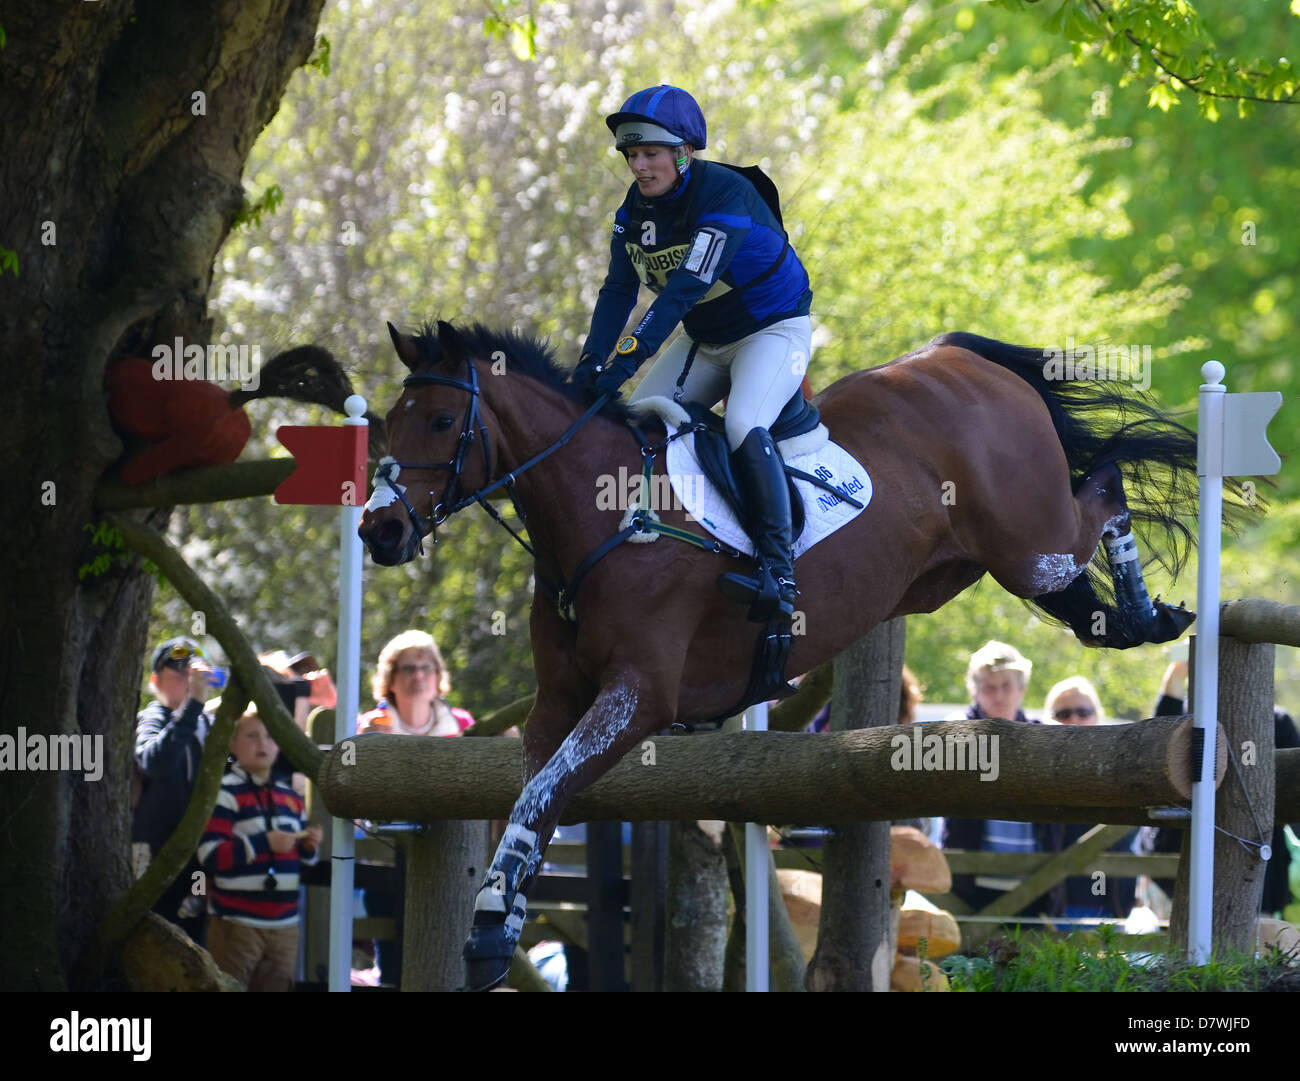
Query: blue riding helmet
658	116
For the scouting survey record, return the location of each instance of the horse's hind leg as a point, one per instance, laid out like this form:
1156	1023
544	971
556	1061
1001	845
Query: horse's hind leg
1104	516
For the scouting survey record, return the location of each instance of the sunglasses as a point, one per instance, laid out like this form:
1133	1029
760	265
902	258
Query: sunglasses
411	669
180	653
1081	711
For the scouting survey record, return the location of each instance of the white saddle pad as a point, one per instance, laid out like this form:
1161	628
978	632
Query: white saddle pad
824	513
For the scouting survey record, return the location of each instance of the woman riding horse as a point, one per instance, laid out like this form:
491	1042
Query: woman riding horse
701	237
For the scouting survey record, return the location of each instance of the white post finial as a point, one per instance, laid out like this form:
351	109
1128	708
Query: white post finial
354	406
1213	372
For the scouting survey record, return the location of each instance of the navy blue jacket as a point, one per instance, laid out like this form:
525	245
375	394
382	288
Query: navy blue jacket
714	253
168	749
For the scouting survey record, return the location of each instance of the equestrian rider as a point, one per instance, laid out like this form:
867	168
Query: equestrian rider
701	237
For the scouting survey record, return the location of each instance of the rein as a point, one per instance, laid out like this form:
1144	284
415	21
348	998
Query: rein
474	431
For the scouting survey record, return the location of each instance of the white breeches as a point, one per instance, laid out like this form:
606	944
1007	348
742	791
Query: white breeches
758	374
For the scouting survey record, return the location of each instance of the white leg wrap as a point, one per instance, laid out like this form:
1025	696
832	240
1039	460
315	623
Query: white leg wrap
515	921
1121	549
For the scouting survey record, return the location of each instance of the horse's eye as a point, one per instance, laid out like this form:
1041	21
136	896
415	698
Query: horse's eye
442	422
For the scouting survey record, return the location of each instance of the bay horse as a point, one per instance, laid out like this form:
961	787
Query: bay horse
980	464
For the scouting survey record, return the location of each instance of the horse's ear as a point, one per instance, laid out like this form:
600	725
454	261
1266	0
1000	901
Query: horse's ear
405	346
449	343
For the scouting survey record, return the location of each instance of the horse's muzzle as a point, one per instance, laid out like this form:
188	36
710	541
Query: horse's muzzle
390	542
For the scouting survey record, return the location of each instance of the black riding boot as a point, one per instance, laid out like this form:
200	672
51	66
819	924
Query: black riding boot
761	476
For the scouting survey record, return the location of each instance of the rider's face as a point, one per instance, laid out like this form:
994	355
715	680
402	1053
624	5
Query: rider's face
654	167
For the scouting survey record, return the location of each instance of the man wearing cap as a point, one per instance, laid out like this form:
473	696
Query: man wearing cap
703	238
169	737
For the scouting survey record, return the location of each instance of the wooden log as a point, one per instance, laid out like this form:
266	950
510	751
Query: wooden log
698	904
1244	805
856	938
443	863
1058	773
1255	620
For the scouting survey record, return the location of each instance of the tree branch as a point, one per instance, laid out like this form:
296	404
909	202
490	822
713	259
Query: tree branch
208	484
302	752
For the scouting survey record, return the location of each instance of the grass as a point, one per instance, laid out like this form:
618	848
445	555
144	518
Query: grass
1020	961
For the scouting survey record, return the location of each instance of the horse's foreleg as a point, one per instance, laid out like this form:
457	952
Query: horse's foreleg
616	720
1136	619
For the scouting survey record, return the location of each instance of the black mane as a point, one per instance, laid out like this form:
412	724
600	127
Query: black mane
525	354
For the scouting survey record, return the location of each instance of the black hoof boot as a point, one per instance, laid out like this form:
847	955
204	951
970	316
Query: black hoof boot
1168	624
488	953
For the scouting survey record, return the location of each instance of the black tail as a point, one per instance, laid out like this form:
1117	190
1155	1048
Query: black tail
1107	421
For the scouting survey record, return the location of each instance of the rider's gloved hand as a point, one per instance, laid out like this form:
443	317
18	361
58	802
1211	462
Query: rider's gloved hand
596	378
584	375
614	374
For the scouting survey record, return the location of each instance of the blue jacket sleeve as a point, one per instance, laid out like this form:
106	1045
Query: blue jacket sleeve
617	296
161	735
720	232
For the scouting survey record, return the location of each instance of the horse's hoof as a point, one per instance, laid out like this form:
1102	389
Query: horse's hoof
488	953
1169	623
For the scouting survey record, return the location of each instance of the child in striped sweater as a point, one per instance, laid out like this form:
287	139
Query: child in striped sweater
251	851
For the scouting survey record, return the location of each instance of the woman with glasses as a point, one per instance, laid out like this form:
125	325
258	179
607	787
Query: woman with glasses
410	686
1074	701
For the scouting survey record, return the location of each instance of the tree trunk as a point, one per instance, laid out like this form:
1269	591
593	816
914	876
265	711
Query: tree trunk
854	947
121	185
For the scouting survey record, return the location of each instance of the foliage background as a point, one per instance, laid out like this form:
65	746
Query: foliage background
943	166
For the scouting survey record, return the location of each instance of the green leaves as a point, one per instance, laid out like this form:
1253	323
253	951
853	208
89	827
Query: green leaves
251	212
114	553
1165	44
8	261
1162	97
320	58
522	31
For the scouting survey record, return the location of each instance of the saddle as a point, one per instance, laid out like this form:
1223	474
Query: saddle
797	417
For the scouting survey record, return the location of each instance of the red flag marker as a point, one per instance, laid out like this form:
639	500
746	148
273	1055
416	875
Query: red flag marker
331	465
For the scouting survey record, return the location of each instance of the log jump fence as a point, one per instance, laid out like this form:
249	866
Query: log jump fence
1115	774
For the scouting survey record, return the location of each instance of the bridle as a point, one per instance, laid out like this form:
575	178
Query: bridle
472	431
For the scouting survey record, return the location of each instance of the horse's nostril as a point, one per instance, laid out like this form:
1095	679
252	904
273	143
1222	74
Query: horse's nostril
388	535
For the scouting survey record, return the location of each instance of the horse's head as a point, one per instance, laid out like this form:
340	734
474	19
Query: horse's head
437	447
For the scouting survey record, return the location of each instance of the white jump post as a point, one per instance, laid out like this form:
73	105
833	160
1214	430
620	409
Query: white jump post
331	471
1231	441
343	838
756	892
